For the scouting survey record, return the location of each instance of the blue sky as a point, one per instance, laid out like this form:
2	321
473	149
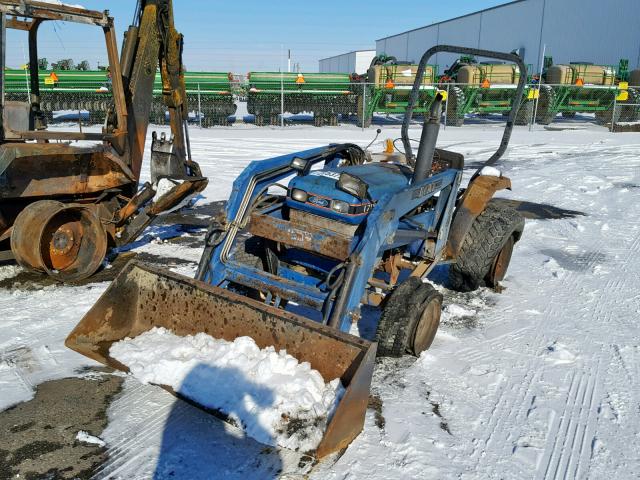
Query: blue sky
246	35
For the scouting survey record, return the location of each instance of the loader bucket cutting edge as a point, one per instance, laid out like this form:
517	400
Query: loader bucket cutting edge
142	297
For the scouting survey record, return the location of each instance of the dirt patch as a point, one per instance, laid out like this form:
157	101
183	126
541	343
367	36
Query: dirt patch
32	281
41	440
376	404
435	409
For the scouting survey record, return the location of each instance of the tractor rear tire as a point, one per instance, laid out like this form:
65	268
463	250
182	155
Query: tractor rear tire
545	113
486	250
630	112
525	112
409	319
608	116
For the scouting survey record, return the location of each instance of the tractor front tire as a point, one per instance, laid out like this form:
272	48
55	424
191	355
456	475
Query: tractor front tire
486	250
409	319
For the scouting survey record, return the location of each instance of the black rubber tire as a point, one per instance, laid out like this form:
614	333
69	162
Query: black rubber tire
489	233
568	114
525	113
249	251
631	112
455	103
400	316
606	117
544	114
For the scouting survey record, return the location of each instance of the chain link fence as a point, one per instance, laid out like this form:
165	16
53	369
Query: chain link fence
363	104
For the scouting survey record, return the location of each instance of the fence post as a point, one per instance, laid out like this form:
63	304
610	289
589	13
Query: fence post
281	99
364	105
537	99
199	108
613	114
446	106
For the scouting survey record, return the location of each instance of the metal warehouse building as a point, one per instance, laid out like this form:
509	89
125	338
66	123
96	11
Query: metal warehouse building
352	62
598	31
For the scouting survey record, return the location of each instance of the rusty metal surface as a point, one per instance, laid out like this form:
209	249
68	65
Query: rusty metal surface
307	237
65	241
52	11
27	232
45	170
298	217
472	204
178	194
143	297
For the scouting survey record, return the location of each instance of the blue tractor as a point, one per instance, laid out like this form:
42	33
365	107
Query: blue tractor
308	238
345	230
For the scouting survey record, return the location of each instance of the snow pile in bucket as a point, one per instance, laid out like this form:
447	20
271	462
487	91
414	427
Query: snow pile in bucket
276	399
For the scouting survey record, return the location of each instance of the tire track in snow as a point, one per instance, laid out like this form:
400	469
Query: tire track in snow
571	463
523	398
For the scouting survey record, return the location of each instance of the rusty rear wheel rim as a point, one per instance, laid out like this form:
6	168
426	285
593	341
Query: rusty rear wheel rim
68	242
501	262
73	244
61	241
427	326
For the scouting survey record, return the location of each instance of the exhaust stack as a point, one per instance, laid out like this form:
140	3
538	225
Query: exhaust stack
428	140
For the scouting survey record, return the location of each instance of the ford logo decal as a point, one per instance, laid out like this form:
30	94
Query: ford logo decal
321	202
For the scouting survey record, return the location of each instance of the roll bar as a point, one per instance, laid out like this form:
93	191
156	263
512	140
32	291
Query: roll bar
508	57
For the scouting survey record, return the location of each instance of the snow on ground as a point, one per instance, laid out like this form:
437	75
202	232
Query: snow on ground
276	399
541	381
84	437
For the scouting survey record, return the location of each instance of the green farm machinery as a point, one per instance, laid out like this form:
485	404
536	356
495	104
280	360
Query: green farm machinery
581	87
90	91
209	93
66	90
387	86
327	95
484	89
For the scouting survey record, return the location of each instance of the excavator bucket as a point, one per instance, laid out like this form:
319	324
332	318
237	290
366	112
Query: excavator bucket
143	297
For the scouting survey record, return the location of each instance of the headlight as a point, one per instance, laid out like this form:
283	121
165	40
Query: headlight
299	195
299	164
353	186
339	206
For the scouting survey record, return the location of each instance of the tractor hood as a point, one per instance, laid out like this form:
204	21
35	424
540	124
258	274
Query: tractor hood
321	186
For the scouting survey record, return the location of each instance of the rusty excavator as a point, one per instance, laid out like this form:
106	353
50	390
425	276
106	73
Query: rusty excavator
66	197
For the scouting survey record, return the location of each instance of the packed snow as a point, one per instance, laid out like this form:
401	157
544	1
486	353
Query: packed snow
541	381
58	2
490	172
85	437
276	399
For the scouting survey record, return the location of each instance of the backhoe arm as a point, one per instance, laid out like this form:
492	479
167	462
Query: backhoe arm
152	42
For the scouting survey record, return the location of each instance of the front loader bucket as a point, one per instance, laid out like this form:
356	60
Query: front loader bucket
142	297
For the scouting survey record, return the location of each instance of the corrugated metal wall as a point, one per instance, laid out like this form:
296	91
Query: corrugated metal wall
573	30
352	62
